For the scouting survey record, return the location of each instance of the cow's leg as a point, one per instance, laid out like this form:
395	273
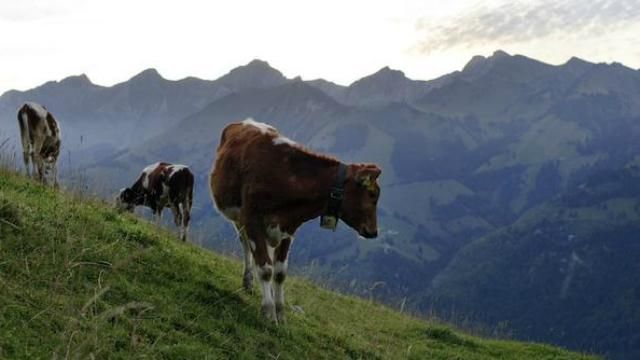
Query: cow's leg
39	161
157	214
262	255
26	155
247	278
186	217
263	258
25	158
34	165
40	168
54	170
177	216
280	273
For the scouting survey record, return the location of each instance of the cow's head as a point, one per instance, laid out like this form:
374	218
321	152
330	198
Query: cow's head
126	199
361	199
49	152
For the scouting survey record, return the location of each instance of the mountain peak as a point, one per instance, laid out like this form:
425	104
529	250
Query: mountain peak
500	54
387	72
382	77
384	86
479	65
475	61
257	63
77	80
256	74
149	74
576	60
576	64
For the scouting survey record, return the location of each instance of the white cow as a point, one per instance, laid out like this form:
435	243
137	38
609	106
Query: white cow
40	135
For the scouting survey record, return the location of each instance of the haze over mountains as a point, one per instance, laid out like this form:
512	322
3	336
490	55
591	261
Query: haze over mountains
508	187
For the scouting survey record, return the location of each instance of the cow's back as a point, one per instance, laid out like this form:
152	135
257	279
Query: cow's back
32	125
237	156
180	181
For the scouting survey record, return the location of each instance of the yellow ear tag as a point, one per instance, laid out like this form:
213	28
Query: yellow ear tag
328	222
371	186
368	183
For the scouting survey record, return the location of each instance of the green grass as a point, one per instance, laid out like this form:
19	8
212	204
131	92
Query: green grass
79	280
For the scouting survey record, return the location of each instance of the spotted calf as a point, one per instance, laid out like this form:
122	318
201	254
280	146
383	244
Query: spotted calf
159	186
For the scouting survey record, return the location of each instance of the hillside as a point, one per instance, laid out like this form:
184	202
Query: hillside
583	242
80	280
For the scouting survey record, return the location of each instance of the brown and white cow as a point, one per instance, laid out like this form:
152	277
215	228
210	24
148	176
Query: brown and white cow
40	135
268	186
162	185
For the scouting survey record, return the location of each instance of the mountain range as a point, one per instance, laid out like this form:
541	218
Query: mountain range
499	180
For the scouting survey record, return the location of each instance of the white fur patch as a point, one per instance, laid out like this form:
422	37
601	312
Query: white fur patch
274	233
279	140
146	171
39	109
175	168
252	245
150	168
267	297
280	267
271	251
264	128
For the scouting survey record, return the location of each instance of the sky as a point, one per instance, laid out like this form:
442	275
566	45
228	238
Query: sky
338	40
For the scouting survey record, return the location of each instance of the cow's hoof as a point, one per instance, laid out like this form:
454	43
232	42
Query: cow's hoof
281	317
268	312
248	289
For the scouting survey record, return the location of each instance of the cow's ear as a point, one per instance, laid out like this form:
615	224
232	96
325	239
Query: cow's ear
367	174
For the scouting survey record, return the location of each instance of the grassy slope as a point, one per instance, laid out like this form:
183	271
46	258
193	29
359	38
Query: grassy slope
77	279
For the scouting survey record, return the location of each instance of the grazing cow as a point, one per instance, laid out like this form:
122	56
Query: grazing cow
162	185
267	186
40	135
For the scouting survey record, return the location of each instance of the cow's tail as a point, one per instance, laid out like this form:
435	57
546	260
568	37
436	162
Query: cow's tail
25	137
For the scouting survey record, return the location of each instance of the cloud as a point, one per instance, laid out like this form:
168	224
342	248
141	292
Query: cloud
522	21
30	10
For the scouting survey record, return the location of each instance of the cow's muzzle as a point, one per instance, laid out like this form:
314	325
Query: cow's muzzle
368	233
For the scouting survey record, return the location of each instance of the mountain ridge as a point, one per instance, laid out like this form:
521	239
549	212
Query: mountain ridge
469	157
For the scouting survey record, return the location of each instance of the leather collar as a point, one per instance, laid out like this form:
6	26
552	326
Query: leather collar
329	220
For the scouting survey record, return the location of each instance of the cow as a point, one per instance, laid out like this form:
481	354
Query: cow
162	185
267	186
40	136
